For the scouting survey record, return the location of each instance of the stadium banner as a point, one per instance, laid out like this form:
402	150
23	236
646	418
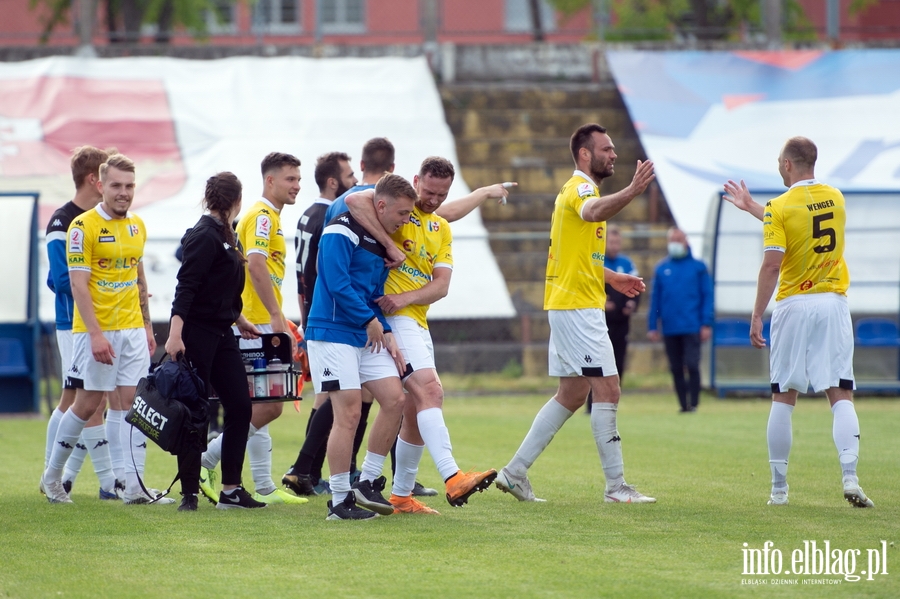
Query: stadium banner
706	117
184	120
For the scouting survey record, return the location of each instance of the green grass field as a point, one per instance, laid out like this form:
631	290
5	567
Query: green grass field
708	470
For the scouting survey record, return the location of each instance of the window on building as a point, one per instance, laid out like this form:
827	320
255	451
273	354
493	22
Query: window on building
221	17
343	16
518	16
276	16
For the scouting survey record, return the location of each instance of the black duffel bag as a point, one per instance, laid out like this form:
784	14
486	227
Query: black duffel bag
170	408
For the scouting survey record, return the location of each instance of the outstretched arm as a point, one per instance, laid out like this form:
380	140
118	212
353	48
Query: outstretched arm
740	196
601	209
455	210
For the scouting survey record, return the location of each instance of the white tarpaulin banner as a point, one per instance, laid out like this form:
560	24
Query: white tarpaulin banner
182	121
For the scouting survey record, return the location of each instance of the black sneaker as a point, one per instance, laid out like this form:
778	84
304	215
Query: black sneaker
419	490
238	499
188	503
368	494
300	484
348	510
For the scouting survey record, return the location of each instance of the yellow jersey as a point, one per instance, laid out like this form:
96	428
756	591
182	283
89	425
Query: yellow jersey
575	278
427	242
110	249
807	223
259	232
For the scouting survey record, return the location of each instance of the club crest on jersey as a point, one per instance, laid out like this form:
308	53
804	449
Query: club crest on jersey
76	241
434	227
134	230
263	226
585	190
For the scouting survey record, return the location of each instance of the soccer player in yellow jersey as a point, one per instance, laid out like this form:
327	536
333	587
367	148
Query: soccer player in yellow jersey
581	353
812	333
112	332
262	237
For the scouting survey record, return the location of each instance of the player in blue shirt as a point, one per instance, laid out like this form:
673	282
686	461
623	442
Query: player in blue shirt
350	346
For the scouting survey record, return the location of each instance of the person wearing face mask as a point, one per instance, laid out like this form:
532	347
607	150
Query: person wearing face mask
681	301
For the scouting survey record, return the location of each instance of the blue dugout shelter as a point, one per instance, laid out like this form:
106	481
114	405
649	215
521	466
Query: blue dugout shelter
19	325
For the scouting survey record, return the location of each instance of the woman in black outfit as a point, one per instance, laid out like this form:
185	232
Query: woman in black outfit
207	302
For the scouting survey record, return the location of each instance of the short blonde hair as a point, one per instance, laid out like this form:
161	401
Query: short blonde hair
117	161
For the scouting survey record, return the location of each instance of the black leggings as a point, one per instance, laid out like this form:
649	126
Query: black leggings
218	362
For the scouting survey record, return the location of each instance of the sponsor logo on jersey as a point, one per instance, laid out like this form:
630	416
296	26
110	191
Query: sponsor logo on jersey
104	231
344	219
414	273
806	285
599	232
585	190
118	263
414	220
263	226
107	239
76	260
79	223
116	285
134	230
368	239
409	245
279	232
260	243
598	256
433	226
56	223
76	240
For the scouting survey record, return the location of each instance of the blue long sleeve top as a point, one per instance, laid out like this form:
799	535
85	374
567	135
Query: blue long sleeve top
58	277
682	298
351	275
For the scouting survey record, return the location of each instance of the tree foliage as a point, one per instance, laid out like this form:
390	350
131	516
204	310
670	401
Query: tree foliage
699	19
124	18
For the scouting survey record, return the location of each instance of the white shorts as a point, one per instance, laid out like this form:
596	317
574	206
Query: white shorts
337	366
252	343
132	361
579	344
812	343
64	343
414	341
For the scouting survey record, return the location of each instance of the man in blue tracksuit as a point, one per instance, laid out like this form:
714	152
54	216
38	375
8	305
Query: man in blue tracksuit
351	346
682	302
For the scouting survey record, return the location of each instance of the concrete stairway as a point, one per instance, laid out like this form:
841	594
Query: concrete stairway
520	132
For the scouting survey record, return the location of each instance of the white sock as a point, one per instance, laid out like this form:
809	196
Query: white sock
70	427
134	448
340	487
75	461
407	467
845	432
52	427
373	464
113	435
779	435
437	440
609	444
98	448
259	450
213	454
548	421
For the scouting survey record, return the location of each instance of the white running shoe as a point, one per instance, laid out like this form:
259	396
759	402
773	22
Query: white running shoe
625	493
778	497
517	486
141	498
55	492
852	493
